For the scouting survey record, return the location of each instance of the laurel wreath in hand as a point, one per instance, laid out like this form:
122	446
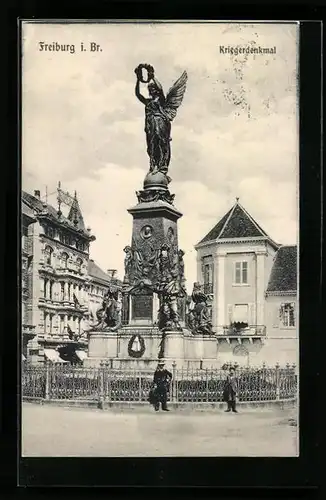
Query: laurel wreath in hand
139	72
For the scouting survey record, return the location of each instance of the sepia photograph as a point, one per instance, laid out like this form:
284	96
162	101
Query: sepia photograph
159	239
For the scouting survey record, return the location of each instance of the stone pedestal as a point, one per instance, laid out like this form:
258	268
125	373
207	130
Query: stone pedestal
174	347
103	345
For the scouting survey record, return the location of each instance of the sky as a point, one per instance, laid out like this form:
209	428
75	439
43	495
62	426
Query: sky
235	134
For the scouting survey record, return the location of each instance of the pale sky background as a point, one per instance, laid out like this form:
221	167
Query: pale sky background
236	133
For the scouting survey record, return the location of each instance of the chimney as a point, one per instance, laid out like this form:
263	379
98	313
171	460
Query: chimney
37	194
111	272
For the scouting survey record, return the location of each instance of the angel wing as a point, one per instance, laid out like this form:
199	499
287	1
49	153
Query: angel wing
175	96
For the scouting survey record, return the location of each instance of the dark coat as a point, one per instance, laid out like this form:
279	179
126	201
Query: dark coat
161	386
230	389
162	379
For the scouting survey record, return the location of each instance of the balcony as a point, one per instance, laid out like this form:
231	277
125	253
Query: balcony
71	271
250	333
47	268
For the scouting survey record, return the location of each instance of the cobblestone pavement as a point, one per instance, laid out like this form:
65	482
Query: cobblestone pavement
63	432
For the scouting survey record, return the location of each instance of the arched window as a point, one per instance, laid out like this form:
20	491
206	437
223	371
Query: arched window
64	260
48	251
79	264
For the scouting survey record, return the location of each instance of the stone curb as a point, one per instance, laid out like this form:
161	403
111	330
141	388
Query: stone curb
79	403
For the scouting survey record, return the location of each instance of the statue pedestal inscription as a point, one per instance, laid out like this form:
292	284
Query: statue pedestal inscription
142	309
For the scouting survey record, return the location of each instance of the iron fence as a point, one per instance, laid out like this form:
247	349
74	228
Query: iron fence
66	382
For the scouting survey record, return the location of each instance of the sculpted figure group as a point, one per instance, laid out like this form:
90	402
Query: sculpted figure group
109	313
198	317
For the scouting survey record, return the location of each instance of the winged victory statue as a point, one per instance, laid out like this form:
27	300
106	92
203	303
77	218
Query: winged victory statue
160	111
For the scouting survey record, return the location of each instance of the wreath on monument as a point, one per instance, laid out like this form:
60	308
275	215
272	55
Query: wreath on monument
139	352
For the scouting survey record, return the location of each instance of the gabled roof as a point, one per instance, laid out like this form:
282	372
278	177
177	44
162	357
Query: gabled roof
95	272
75	215
283	277
236	223
44	208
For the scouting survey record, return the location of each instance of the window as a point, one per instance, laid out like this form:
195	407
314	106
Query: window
51	322
64	260
49	231
51	290
208	278
240	313
67	239
45	322
48	251
241	273
62	324
287	314
80	245
45	288
62	294
79	264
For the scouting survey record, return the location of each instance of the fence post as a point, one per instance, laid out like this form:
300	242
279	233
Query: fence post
101	387
294	379
107	382
174	383
206	385
139	385
47	379
277	377
73	381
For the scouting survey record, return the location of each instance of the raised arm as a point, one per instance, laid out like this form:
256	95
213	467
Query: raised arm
142	99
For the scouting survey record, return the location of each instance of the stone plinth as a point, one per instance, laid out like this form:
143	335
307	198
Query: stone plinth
103	345
174	346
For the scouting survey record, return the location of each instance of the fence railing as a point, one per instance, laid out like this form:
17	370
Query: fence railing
65	382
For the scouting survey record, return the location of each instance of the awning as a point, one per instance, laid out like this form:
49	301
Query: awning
53	356
81	355
23	357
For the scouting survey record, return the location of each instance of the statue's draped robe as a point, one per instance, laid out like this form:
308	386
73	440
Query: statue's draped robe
158	131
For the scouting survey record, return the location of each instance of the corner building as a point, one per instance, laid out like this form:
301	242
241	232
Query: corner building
55	294
251	282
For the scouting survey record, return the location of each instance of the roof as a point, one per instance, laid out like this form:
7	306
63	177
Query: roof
75	216
42	208
236	223
283	277
95	272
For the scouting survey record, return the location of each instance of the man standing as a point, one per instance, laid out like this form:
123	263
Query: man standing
231	391
162	380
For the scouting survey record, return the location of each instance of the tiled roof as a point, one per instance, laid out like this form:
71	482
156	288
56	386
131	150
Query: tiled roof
236	223
283	276
39	206
215	232
97	273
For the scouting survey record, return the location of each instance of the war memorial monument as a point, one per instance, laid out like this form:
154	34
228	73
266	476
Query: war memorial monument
152	318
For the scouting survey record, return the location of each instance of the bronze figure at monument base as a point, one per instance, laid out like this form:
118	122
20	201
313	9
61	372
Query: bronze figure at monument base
108	314
198	317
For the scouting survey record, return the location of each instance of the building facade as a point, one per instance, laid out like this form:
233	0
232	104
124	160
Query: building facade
58	278
28	328
251	285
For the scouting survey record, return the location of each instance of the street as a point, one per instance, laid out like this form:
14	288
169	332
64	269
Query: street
49	431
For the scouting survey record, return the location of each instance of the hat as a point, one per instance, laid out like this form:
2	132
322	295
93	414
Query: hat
161	362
